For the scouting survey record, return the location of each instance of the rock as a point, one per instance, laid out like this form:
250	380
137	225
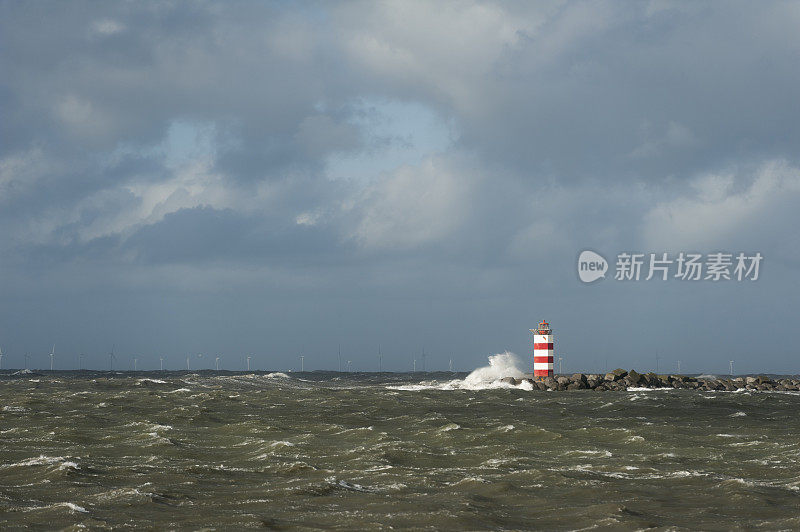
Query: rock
634	377
510	380
540	385
579	378
562	380
664	381
650	379
576	386
751	380
619	373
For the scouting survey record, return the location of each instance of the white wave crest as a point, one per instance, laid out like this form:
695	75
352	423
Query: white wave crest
488	377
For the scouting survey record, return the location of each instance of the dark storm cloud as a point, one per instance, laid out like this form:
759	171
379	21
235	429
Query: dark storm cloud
206	234
162	152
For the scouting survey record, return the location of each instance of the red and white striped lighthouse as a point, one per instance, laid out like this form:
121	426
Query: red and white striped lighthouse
542	351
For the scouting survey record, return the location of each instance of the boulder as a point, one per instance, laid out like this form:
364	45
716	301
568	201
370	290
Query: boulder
575	386
562	380
634	377
619	373
664	381
578	377
510	380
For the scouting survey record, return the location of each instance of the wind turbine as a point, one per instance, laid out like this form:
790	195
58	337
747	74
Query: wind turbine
80	362
380	359
161	359
111	359
27	356
248	363
52	356
1	358
559	364
679	367
348	365
451	364
731	364
187	362
302	367
216	363
340	358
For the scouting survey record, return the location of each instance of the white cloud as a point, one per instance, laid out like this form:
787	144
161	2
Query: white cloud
82	118
105	27
20	171
414	205
715	212
447	49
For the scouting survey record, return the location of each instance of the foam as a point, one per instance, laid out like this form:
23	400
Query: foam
489	377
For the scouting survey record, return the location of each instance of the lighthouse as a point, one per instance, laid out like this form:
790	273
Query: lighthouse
542	351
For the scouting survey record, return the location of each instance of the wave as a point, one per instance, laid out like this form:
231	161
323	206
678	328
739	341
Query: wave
53	463
139	382
501	365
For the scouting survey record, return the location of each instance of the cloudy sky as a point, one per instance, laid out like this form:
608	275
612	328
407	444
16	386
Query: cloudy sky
283	178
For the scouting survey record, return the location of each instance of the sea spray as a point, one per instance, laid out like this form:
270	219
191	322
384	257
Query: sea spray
500	365
486	377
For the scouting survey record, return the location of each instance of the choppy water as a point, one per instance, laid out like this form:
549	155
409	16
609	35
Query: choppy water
368	451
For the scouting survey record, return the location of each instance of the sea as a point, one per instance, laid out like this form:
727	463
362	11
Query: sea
219	450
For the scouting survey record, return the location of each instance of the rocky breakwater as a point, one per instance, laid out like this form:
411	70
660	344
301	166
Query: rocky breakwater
619	379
